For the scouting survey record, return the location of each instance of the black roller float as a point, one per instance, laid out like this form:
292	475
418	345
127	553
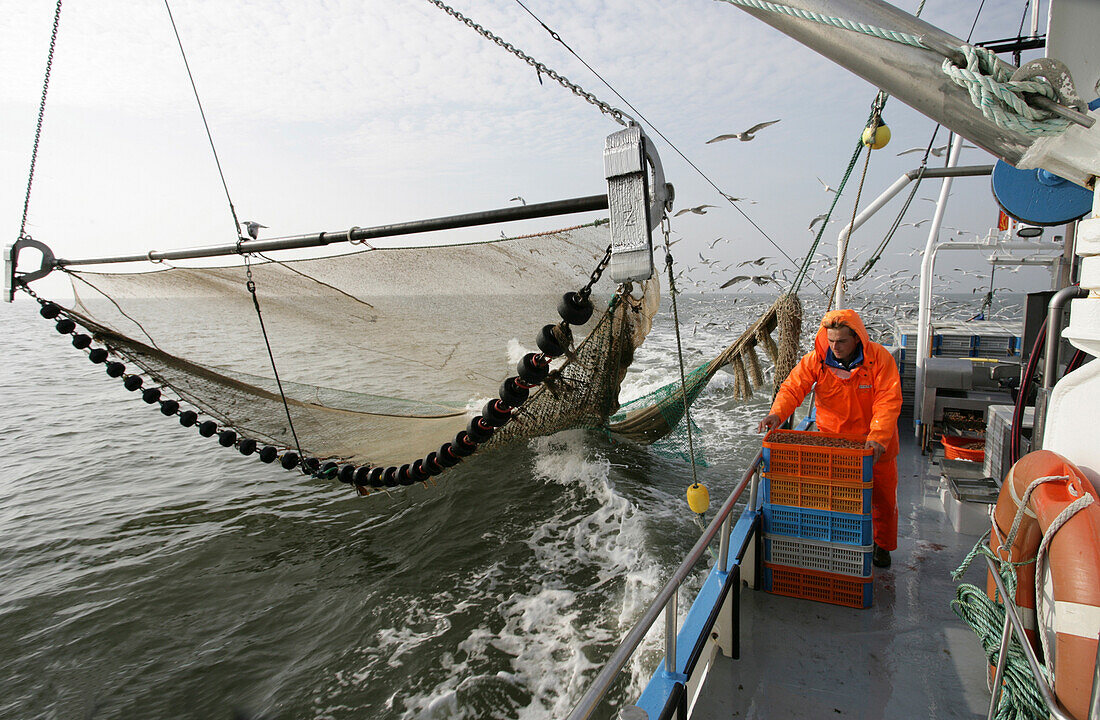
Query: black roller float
207	428
447	457
533	368
169	407
97	355
496	413
188	418
347	474
361	477
132	382
115	369
479	430
553	340
374	479
268	454
150	395
389	477
432	465
246	446
403	475
463	445
81	341
289	460
226	438
49	310
328	470
574	308
65	326
417	471
513	393
311	465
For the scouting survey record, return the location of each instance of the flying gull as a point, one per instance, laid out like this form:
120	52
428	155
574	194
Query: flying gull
743	136
698	210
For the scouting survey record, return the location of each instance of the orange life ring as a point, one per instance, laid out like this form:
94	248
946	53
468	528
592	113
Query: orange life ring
1072	614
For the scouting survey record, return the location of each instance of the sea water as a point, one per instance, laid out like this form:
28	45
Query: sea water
146	572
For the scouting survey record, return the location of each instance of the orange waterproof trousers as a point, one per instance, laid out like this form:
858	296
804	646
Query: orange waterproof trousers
884	503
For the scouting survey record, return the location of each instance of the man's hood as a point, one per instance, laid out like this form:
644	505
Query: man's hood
848	317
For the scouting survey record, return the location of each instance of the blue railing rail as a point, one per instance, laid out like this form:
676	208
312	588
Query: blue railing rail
666	599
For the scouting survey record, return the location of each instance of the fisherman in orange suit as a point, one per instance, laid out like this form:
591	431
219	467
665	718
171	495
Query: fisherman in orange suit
858	392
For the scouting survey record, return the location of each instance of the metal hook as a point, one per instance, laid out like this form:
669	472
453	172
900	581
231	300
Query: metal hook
11	264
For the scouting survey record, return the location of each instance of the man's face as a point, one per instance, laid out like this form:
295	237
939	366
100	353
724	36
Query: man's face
843	342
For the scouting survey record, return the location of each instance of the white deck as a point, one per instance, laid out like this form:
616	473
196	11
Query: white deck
908	656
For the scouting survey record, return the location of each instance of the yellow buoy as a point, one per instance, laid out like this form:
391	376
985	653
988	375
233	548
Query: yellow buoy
698	498
876	137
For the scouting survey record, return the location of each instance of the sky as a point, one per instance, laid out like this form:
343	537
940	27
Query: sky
341	113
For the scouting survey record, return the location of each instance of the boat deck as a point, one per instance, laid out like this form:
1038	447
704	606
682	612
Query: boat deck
907	656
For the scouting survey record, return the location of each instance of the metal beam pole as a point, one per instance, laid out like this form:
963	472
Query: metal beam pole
924	306
356	234
911	74
885	197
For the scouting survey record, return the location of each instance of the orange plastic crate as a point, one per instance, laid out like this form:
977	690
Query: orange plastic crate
854	498
819	586
802	454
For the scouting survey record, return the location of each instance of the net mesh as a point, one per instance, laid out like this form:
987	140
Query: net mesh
383	354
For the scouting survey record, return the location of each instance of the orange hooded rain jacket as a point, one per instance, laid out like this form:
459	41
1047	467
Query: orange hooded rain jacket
865	401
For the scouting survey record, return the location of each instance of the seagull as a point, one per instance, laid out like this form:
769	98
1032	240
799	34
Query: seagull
826	186
731	198
936	151
917	224
743	136
698	210
716	241
816	220
253	228
732	280
758	262
518	197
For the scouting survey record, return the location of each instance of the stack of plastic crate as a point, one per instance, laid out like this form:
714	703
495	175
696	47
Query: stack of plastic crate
817	517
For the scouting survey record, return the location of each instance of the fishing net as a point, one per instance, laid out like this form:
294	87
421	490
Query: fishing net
383	354
655	417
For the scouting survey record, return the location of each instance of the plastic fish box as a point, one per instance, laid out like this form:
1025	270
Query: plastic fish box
817	455
827	495
845	528
819	586
824	557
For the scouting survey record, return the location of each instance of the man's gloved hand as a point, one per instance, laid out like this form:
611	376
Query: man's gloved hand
876	448
771	422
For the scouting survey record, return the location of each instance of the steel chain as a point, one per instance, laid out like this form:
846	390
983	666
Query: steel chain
38	127
614	113
595	276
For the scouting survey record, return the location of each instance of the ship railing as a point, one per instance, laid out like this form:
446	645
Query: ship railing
1014	627
665	603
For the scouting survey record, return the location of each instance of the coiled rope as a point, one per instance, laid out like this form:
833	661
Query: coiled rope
985	77
1020	698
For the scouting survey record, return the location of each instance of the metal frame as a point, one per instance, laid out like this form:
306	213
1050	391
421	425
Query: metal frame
665	601
1013	625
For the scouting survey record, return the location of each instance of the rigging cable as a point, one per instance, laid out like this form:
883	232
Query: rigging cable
41	114
250	284
626	102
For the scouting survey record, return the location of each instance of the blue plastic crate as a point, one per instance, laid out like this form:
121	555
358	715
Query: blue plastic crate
854	560
834	527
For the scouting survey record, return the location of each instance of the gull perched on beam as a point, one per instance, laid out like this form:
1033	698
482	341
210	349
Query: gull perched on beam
745	135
